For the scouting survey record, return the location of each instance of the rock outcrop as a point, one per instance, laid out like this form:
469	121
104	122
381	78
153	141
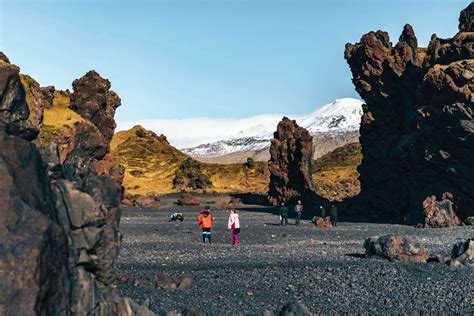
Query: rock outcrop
34	261
417	129
321	222
38	99
14	110
291	153
150	200
462	255
395	248
93	100
58	221
189	200
439	214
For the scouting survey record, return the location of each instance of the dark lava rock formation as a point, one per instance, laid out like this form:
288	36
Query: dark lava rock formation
58	221
439	214
417	130
291	154
93	100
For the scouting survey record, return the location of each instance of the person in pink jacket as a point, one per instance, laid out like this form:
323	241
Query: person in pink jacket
234	225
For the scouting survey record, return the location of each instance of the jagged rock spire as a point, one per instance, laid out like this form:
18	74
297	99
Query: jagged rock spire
466	19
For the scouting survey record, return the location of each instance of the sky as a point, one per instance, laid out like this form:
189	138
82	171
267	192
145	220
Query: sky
216	59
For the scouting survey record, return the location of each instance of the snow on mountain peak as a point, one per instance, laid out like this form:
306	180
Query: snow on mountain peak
213	137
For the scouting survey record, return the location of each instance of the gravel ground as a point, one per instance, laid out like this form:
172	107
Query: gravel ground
274	265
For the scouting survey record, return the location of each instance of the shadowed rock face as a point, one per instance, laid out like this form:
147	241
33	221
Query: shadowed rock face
466	20
291	153
33	246
13	107
59	235
417	130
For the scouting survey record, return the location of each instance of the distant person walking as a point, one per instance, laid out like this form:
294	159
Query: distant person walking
205	221
323	211
283	214
333	215
234	225
298	211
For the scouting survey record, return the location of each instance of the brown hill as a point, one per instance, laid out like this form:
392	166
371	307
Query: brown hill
152	164
335	174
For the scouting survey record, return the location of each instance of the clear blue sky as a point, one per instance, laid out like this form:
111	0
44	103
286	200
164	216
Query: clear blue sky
179	59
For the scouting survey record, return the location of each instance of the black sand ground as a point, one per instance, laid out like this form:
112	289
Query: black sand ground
274	265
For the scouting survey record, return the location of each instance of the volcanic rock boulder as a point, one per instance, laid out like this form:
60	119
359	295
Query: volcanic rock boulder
291	153
439	214
417	129
189	200
149	201
462	255
396	248
322	222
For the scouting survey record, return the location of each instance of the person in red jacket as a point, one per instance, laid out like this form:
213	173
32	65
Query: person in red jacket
205	221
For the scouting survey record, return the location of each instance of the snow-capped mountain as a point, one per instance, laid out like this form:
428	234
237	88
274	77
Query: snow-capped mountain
333	120
332	125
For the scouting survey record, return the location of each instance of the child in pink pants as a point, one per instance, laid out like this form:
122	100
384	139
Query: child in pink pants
234	225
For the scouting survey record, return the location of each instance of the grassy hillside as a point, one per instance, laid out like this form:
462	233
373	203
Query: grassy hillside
151	164
335	174
57	118
149	160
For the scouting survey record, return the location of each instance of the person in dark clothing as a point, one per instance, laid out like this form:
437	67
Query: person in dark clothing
323	211
298	211
333	215
283	214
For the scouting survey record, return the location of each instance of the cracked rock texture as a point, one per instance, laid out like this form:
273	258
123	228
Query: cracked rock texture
417	129
291	154
59	220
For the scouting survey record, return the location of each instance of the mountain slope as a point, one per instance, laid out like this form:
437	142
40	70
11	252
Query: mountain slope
151	164
332	126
